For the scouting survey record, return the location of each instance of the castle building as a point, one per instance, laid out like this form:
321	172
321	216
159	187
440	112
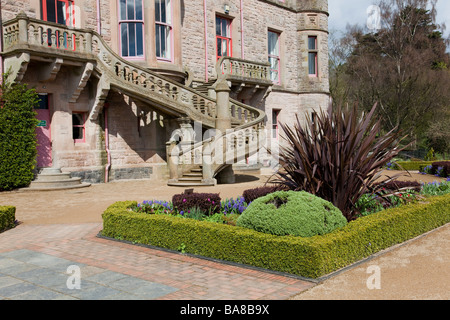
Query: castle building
183	90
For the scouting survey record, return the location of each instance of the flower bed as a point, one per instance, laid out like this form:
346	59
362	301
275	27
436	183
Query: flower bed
311	257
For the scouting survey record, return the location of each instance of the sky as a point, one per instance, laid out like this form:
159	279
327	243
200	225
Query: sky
343	12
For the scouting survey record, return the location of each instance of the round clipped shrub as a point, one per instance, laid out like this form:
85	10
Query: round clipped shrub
296	213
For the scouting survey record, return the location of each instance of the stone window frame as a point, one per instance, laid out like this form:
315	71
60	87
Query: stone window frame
126	20
315	52
82	126
274	56
276	123
168	25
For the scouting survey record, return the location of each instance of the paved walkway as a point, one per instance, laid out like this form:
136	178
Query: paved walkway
34	261
56	248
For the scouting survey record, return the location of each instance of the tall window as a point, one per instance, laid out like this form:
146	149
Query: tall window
78	127
312	56
163	29
131	28
223	37
274	56
59	11
275	119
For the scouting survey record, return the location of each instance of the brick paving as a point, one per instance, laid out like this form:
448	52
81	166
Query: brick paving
157	274
62	226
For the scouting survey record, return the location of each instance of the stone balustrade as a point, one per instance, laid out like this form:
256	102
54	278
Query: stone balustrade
50	39
228	67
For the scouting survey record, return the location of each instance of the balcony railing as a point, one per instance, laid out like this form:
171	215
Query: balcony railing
245	70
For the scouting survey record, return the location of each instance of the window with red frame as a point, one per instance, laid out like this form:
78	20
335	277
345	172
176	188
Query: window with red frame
131	28
274	56
61	12
78	126
312	56
58	11
223	37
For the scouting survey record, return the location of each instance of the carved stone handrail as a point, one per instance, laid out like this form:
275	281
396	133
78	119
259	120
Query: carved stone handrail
41	37
235	68
37	37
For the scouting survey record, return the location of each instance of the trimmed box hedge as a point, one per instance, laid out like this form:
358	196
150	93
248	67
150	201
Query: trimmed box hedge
412	165
308	257
7	217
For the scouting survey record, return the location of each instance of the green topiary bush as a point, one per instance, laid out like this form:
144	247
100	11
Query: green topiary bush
296	213
7	217
17	135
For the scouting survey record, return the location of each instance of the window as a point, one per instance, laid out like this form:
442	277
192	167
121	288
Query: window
163	29
274	56
131	28
275	118
78	127
58	11
312	56
223	37
61	12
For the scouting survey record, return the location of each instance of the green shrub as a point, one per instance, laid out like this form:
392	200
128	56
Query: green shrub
411	165
17	136
311	257
7	217
295	213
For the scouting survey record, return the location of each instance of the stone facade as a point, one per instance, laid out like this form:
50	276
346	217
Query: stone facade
128	139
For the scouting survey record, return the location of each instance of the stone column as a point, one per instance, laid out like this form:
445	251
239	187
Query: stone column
223	116
23	28
207	170
172	160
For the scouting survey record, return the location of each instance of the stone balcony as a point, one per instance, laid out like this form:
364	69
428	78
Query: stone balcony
248	80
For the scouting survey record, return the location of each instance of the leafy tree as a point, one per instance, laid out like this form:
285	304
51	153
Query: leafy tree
17	135
403	67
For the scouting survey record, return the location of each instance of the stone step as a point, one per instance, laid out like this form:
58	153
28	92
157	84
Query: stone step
186	179
189	184
193	174
55	183
54	188
53	177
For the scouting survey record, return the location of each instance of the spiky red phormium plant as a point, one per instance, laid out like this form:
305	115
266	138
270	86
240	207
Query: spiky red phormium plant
336	155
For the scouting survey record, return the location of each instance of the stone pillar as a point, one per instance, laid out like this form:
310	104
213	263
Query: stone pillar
223	116
23	28
172	160
207	170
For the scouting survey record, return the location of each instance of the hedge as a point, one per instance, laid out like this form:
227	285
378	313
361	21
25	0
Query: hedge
411	165
7	217
17	135
308	257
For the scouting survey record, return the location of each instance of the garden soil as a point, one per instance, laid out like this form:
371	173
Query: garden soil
416	270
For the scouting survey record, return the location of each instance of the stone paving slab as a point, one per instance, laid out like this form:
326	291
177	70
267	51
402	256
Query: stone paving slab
31	275
34	260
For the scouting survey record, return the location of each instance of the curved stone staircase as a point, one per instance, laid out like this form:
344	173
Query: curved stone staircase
198	163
